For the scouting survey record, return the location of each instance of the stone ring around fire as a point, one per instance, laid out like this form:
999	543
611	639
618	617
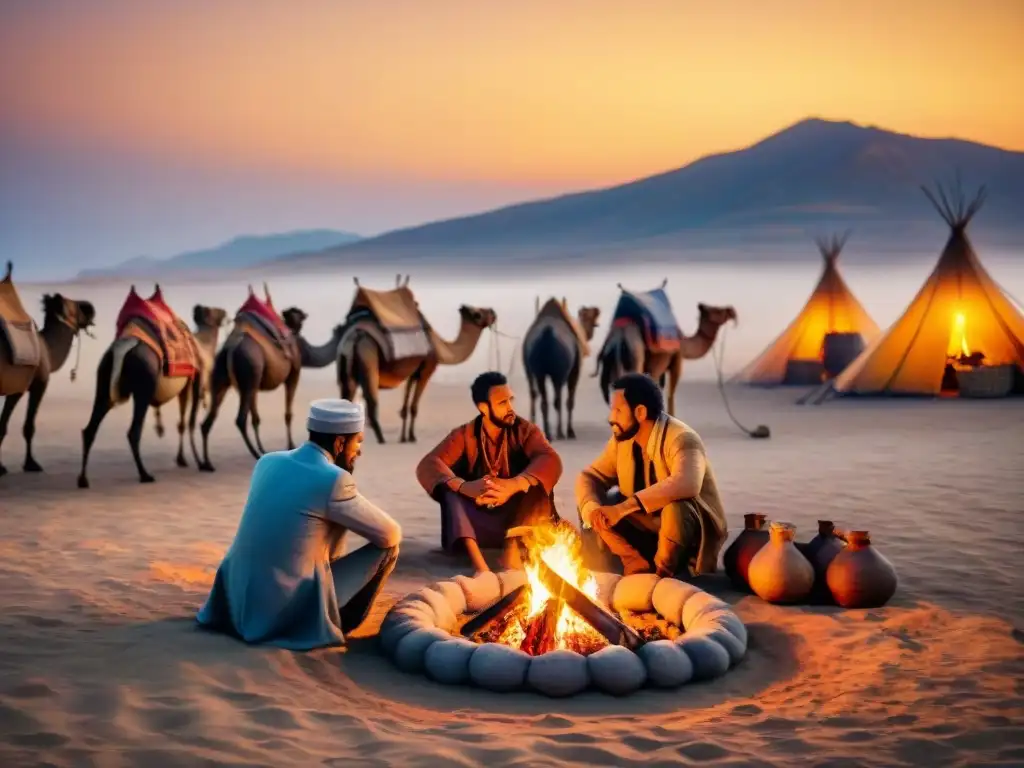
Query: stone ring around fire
417	634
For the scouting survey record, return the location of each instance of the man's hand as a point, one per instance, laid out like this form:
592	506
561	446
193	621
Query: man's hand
473	488
610	516
500	490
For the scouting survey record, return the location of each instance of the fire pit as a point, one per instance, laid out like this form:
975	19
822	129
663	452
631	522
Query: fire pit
558	629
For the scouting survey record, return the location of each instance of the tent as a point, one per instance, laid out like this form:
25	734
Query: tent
960	329
832	320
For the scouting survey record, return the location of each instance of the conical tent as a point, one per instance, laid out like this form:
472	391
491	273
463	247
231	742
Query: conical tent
959	316
831	308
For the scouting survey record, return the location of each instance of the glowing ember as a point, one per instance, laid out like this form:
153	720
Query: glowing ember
559	548
958	338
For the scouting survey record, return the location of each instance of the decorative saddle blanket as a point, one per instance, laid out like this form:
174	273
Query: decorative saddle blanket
401	329
260	318
155	324
651	311
18	327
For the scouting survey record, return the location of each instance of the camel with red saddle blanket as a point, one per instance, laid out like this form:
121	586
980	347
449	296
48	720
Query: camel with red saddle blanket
645	338
386	342
264	350
29	356
153	359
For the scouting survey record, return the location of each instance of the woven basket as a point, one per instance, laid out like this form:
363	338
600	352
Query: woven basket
986	380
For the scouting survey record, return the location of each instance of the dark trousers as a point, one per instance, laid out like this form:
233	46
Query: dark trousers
463	518
359	577
663	542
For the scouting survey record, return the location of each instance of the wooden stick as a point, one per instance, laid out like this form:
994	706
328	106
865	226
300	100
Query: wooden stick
493	612
613	630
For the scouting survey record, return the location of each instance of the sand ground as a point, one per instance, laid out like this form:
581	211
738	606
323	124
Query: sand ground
102	665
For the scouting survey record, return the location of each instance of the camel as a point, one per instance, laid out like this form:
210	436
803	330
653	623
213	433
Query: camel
209	321
63	320
252	365
625	351
131	369
362	365
553	350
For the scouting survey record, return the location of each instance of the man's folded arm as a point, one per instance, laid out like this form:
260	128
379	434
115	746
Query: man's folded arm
596	480
434	471
349	508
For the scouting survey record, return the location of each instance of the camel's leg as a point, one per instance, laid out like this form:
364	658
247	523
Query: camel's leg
141	399
425	372
542	388
570	400
246	403
367	363
254	413
410	384
193	416
100	408
557	387
533	397
189	393
219	387
675	375
35	397
291	385
159	422
5	417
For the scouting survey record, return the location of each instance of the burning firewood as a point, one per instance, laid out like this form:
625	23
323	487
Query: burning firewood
540	635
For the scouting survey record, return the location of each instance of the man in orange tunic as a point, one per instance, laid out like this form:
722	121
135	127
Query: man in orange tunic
491	474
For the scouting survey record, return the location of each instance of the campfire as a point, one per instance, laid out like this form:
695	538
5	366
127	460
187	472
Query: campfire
557	607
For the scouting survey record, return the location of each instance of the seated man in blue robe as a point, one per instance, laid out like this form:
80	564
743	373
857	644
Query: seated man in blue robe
285	581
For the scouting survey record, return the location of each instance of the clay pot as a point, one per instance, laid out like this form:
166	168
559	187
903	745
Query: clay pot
860	576
779	573
821	550
738	555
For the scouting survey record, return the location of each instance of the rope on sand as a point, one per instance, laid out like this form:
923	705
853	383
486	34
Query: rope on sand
718	355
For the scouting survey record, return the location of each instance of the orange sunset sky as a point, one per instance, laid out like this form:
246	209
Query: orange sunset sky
382	114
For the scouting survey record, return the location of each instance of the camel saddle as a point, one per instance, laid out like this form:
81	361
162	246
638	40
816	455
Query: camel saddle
18	328
393	319
261	320
652	312
154	323
556	310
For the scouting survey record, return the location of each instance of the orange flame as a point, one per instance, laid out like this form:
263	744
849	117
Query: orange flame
958	338
559	549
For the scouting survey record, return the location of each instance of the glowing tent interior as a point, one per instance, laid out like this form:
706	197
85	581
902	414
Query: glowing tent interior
960	335
830	331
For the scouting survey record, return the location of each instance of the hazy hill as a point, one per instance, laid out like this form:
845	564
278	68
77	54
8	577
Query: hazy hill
238	253
813	176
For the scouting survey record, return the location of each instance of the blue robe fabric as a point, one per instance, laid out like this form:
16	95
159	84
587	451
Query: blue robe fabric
275	584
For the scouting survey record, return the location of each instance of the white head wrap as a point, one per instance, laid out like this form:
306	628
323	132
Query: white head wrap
335	417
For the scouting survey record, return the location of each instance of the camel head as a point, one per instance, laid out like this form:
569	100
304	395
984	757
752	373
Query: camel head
294	318
78	315
588	319
480	317
209	317
716	316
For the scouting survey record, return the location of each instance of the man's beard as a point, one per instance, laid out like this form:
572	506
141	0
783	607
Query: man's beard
626	434
509	421
346	464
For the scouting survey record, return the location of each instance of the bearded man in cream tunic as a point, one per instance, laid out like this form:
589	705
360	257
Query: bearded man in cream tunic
650	499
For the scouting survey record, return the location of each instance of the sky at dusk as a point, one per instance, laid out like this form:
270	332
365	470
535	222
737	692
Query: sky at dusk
132	128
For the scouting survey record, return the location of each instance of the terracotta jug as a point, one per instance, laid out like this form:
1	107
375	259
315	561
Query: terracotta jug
739	554
779	573
821	550
860	576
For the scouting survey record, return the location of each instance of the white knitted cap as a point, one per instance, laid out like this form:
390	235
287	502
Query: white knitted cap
332	416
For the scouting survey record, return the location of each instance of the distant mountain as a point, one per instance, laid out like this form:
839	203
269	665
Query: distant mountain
239	253
812	177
